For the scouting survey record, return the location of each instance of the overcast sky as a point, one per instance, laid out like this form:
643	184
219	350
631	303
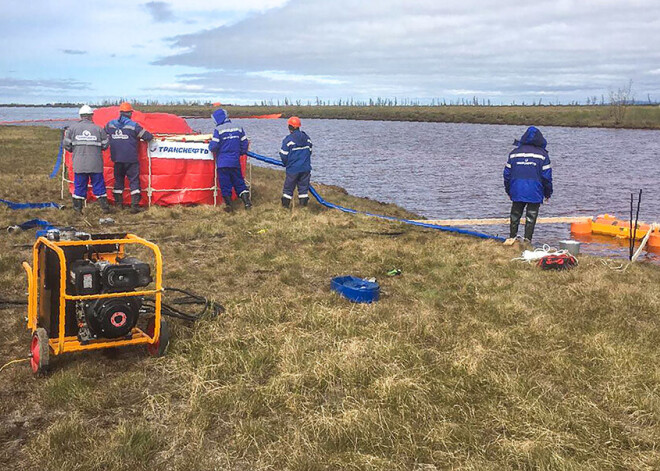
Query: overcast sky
253	50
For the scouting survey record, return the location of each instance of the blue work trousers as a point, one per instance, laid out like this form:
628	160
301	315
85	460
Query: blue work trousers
80	181
130	170
301	180
228	178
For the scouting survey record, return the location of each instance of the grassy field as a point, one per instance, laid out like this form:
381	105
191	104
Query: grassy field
643	117
469	360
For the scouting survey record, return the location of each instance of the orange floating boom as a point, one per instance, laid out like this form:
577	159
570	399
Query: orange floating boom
262	116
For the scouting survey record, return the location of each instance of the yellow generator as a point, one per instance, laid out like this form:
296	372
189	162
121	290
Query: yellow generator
86	293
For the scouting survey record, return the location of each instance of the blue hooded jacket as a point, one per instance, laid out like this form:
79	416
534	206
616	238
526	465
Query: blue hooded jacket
229	142
296	152
124	135
528	172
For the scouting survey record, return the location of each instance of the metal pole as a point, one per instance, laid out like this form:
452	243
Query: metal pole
149	190
215	185
634	235
630	244
63	170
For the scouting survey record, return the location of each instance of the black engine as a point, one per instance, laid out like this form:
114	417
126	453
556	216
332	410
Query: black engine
112	317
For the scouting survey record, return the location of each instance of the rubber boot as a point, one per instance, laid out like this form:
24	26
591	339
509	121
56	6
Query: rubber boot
245	196
516	213
286	202
105	207
530	220
117	200
303	201
135	203
78	205
228	206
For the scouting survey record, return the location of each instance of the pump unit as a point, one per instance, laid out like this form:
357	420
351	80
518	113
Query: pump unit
85	293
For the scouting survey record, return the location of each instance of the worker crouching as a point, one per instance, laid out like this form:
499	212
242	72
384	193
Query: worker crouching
296	155
527	180
229	142
86	141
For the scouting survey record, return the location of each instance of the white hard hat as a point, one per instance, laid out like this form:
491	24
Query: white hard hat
85	110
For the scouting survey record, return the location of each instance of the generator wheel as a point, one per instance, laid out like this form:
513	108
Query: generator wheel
39	352
159	348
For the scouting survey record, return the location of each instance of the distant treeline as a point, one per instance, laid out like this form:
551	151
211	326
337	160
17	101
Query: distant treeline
620	111
47	105
350	102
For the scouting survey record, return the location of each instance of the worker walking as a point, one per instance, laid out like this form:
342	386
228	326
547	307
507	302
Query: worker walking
296	155
527	180
229	142
124	135
86	141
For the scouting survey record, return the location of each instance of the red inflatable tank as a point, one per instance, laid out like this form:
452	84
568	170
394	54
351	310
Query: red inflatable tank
190	179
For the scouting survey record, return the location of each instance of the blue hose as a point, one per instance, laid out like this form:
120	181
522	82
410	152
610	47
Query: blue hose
33	223
58	163
14	205
43	226
327	204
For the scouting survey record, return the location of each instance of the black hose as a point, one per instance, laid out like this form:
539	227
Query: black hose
212	308
10	303
148	306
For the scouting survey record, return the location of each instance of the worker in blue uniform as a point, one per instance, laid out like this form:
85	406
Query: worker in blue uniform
296	155
528	180
124	135
229	142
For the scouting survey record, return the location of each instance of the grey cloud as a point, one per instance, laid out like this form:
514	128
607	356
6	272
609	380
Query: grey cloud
161	12
8	84
73	51
425	47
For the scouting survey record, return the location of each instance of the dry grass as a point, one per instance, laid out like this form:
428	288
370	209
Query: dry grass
643	117
469	360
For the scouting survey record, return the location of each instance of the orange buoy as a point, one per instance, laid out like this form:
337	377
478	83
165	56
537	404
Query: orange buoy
581	228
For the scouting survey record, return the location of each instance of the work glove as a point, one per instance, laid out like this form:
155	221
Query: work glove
153	145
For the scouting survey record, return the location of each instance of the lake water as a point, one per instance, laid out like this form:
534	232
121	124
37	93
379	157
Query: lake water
35	113
454	171
451	171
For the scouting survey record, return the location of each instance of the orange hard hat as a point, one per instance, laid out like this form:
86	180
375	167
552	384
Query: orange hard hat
294	121
126	106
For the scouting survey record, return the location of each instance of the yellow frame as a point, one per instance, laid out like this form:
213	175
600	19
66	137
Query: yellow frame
63	344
